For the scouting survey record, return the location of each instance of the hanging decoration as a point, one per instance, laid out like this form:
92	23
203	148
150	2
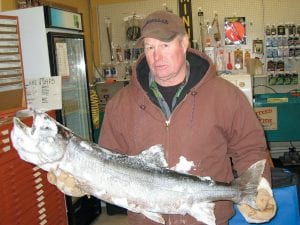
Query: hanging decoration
133	26
235	30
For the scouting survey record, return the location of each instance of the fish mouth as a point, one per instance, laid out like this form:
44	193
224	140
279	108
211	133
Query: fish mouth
21	140
22	114
20	129
20	125
25	113
36	144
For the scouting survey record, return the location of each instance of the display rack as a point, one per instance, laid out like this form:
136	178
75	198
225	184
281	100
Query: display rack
26	197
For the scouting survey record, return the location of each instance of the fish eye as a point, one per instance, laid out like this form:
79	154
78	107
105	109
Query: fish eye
47	128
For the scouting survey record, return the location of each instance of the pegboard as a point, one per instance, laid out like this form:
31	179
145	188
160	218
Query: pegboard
258	14
116	14
251	10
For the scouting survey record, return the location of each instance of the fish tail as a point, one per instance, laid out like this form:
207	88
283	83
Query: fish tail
248	182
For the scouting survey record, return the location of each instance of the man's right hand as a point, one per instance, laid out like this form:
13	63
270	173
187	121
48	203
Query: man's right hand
65	182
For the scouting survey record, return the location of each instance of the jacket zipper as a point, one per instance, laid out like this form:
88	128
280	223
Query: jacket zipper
167	133
167	122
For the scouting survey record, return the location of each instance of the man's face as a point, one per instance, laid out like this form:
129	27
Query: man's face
166	60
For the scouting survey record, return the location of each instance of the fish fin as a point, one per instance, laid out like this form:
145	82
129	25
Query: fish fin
203	212
156	217
154	155
248	182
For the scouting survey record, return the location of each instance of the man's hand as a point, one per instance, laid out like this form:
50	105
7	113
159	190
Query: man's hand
65	182
265	203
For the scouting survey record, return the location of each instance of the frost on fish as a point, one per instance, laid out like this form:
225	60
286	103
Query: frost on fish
202	211
184	166
140	183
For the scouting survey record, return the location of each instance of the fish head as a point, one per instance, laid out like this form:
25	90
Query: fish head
42	143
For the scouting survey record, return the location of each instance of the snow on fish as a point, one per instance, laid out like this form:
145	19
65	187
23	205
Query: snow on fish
141	183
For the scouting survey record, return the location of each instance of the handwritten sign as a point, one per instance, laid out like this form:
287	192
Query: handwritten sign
44	93
267	117
62	59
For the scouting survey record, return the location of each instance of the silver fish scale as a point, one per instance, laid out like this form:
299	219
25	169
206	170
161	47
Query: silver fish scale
130	178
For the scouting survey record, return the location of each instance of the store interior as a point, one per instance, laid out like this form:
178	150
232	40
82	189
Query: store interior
253	44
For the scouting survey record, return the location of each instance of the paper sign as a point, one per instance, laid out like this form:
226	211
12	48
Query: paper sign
267	117
44	93
62	59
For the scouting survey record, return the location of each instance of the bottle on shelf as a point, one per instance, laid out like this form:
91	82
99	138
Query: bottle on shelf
268	30
273	30
281	29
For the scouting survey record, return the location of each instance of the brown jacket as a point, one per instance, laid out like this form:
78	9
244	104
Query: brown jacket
213	125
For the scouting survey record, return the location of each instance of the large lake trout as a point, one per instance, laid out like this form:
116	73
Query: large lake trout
142	183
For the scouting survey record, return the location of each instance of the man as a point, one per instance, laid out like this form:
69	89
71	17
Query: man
176	99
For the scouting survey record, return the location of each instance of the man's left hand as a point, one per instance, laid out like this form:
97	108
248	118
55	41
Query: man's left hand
265	203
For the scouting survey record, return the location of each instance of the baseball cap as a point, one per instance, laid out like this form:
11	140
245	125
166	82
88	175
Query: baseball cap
161	25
